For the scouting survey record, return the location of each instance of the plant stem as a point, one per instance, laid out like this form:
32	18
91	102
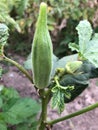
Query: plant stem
20	67
45	99
89	108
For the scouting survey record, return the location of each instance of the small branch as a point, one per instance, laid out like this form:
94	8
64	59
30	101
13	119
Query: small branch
89	108
20	67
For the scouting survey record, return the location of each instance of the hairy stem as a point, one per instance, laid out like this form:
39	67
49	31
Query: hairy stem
20	67
45	96
89	108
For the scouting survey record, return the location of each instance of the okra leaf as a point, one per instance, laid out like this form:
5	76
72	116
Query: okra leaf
84	32
92	52
3	34
74	47
9	93
80	81
28	62
27	126
95	36
3	126
58	100
88	45
21	110
1	102
59	94
60	63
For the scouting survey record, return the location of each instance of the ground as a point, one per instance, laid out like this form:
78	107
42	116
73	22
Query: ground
87	121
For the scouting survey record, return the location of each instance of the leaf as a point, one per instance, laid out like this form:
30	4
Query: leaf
60	63
28	62
27	126
58	100
74	47
1	102
92	52
23	127
21	110
3	35
80	81
3	126
8	103
95	36
9	93
88	48
5	18
59	93
21	5
85	32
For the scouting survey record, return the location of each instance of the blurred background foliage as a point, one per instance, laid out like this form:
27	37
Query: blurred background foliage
63	17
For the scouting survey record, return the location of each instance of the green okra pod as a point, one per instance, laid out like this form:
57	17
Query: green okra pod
42	50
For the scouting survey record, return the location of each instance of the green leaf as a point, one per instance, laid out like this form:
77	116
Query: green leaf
3	126
85	32
28	62
21	6
60	63
1	102
8	103
27	126
74	47
88	48
9	93
59	93
21	110
58	100
3	34
10	21
80	81
95	36
92	52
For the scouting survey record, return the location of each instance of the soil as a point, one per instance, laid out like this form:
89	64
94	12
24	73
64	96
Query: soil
88	121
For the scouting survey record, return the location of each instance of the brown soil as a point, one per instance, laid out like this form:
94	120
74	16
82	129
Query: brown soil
87	121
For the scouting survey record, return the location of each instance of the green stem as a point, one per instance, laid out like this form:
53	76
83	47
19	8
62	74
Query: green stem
45	99
89	108
20	67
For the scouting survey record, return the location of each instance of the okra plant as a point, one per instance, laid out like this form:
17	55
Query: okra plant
58	81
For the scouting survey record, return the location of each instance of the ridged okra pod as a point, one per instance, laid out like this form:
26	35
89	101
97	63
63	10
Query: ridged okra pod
42	50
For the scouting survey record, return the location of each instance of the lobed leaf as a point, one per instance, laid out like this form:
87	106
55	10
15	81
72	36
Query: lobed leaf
3	126
88	45
20	111
85	32
80	81
58	100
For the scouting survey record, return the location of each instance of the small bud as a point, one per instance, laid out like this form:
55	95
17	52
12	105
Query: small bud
71	67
